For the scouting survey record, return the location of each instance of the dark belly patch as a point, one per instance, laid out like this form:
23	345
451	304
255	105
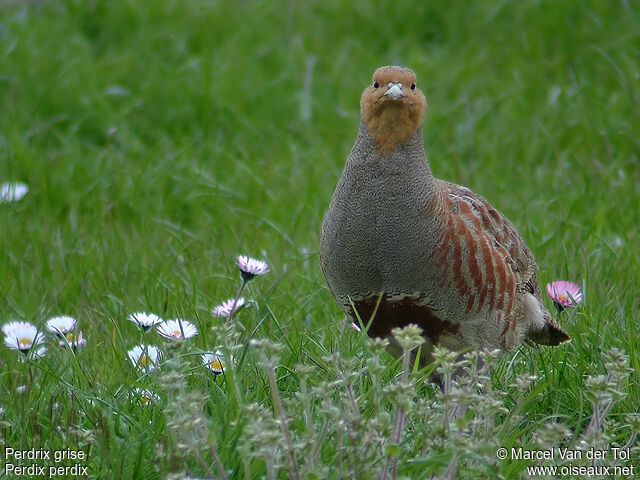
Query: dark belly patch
400	313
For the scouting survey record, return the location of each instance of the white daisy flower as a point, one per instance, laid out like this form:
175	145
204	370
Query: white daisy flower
214	362
7	327
145	396
145	357
250	267
38	354
225	308
177	329
61	325
145	321
74	341
12	192
22	336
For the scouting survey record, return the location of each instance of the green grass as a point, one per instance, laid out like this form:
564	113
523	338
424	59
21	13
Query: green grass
161	139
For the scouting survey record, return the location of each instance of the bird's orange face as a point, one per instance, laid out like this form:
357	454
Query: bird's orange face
392	107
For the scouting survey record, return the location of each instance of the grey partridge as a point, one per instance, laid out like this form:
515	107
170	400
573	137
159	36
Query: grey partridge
401	246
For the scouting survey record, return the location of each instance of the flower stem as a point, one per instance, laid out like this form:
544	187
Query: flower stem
235	300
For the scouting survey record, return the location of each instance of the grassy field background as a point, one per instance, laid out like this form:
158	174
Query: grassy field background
160	139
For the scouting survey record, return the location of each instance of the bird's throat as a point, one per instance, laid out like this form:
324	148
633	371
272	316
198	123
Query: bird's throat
392	125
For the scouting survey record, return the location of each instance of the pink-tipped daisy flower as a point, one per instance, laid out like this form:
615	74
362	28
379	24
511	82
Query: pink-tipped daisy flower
145	357
564	293
61	325
250	267
144	320
22	336
225	308
177	329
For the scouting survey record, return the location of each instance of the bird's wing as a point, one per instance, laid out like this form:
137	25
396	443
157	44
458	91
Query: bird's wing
492	263
486	256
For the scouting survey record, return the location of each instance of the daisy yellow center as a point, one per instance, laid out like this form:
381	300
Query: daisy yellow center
69	337
563	298
145	399
25	341
216	365
144	361
177	333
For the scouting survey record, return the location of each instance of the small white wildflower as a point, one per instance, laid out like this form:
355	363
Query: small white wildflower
8	327
145	357
250	267
38	354
356	326
61	325
74	341
144	320
214	362
21	336
12	192
225	308
177	329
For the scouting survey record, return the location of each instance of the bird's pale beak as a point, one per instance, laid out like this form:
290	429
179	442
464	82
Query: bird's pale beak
394	91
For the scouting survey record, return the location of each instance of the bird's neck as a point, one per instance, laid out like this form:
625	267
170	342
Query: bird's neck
391	125
406	156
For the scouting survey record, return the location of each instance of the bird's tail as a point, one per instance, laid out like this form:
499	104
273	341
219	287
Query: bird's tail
545	330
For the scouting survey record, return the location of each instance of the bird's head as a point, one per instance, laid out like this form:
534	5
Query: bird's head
392	107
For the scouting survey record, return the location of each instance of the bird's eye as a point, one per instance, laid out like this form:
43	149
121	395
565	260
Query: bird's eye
375	85
413	86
